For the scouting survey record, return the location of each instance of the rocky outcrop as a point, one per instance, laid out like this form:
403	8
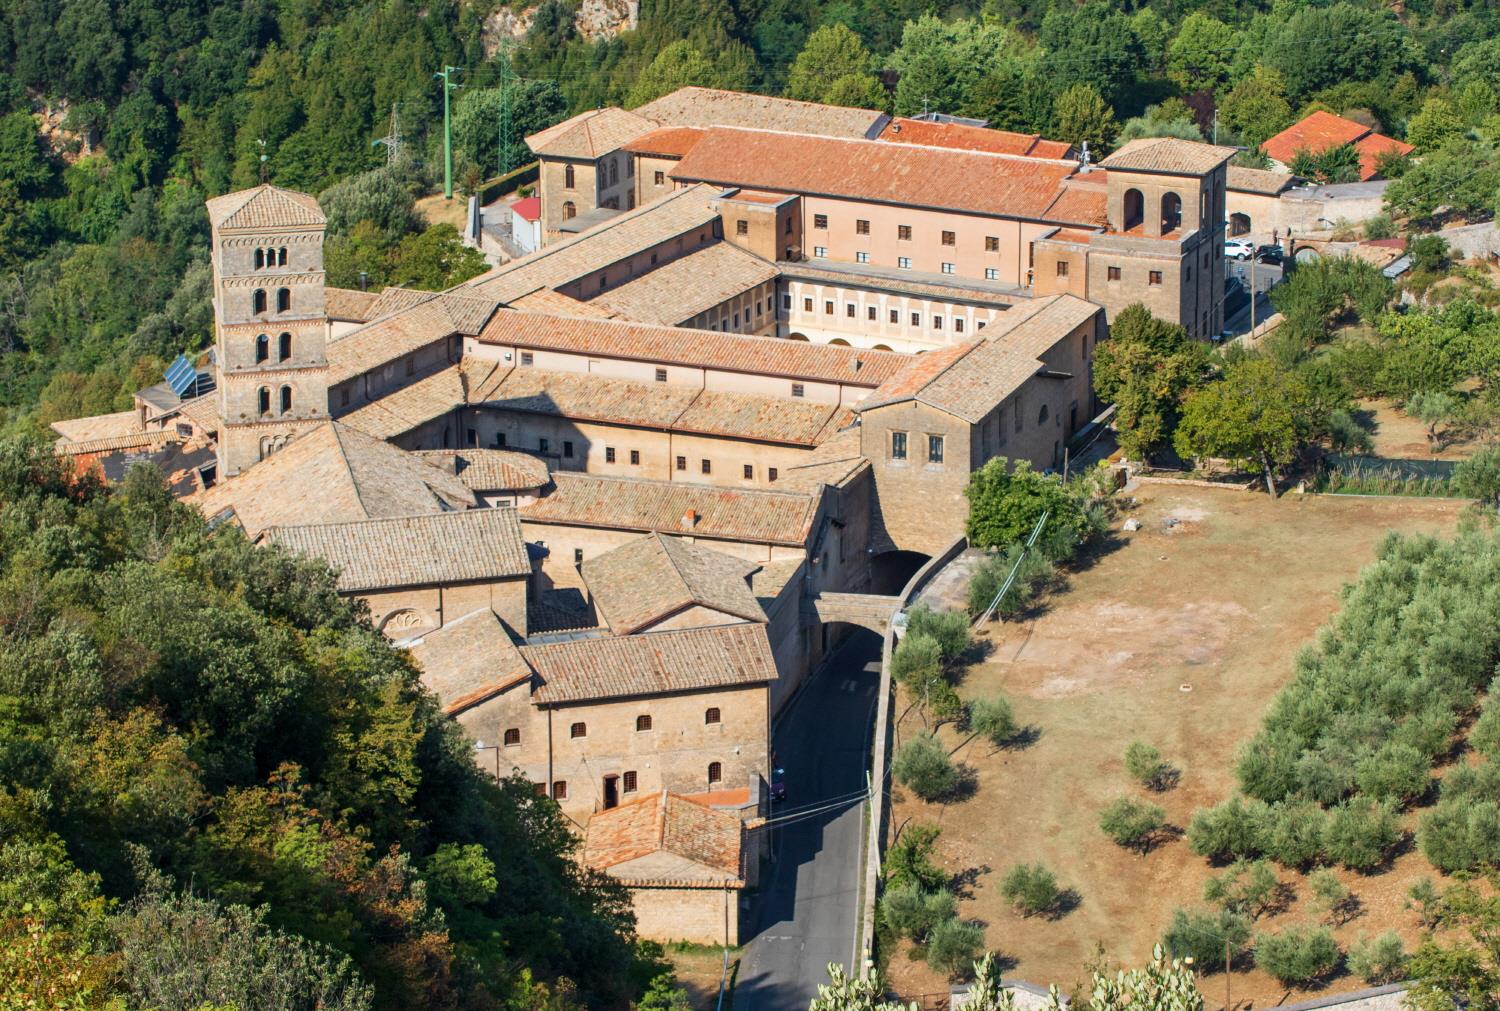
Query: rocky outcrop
595	19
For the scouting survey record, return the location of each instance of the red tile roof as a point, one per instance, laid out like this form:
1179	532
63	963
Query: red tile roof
666	839
527	208
960	137
667	142
1320	131
972	181
1372	147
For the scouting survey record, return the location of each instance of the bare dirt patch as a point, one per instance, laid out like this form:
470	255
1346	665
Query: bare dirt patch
1400	437
1220	614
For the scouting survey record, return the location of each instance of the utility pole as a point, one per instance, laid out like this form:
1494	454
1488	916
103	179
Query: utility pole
1228	963
448	87
265	169
1253	296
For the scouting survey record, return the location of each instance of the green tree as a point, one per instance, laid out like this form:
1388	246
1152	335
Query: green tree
923	766
1379	960
1336	164
1145	368
1318	47
1457	959
1248	888
1005	505
992	719
953	945
940	62
1479	477
1205	936
1297	956
1461	175
1256	108
857	91
1434	409
1256	414
1083	117
664	995
911	911
1199	55
832	52
1031	888
1435	125
1090	44
1131	823
679	65
1145	766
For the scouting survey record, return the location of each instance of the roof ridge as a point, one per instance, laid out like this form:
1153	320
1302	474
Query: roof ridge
667	552
951	151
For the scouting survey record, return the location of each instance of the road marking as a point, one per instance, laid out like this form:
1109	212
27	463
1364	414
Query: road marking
848	685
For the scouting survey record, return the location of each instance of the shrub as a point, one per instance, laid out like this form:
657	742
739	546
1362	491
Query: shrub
1359	835
1331	896
1297	956
954	945
909	860
1479	476
1484	736
1292	834
1145	766
1379	960
1380	227
1031	888
1396	772
1132	823
992	719
923	765
1005	504
916	659
1033	572
1460	834
949	629
911	911
1232	830
1423	899
1248	887
1201	936
1345	435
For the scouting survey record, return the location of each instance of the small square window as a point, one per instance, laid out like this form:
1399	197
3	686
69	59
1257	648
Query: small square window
1062	268
682	463
870	313
849	309
903	232
577	557
934	449
749	472
861	227
578	730
820	251
609	454
560	790
635	458
798	390
542	445
771	474
786	302
991	273
947	268
741	227
512	737
828	308
1112	273
861	257
527	358
711	715
950	239
937	322
916	319
904	262
807	305
1154	277
643	723
820	221
660	178
707	466
898	445
628	782
661	375
992	243
895	315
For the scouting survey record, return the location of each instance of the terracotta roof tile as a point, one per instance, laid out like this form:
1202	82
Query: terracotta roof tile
1371	148
653	577
652	663
434	318
395	299
264	206
98	426
1315	132
112	443
665	839
695	348
707	107
750	515
449	547
410	406
589	134
970	181
681	288
1248	180
555	303
1168	154
468	661
489	469
666	142
349	304
962	137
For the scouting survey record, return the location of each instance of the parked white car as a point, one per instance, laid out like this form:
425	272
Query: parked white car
1238	249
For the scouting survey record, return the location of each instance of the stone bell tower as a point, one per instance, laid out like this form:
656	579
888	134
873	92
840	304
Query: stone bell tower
271	329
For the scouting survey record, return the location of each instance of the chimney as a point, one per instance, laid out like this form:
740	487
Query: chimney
690	519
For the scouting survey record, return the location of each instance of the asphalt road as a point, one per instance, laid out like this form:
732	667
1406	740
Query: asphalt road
804	913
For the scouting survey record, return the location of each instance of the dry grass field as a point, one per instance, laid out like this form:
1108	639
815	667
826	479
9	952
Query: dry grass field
1399	437
1178	636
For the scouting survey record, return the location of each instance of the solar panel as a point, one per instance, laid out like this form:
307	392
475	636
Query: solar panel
182	376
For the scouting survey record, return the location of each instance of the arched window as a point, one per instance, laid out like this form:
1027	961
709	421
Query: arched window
281	257
286	400
265	400
512	737
1135	210
711	715
284	347
567	183
262	348
1041	418
1171	212
283	299
578	730
1239	224
258	301
260	258
569	211
715	773
643	722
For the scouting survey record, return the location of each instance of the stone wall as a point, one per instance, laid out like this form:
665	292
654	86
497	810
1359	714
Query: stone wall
696	915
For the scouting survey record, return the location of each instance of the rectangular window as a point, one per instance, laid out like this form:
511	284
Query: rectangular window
820	251
577	557
1112	273
807	305
635	457
736	321
741	227
660	178
786	302
568	448
820	221
411	365
527	358
542	445
870	313
628	782
950	239
771	474
898	445
992	243
916	319
849	309
499	440
991	274
749	472
828	308
708	466
560	790
661	375
797	389
578	730
903	232
958	325
904	262
1062	268
609	454
937	322
861	257
682	463
1154	277
947	268
1189	275
861	227
895	315
934	449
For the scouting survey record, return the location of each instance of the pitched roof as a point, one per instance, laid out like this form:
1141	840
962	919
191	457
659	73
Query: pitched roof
334	474
527	208
98	426
963	137
555	303
1034	327
1249	180
393	299
909	174
432	318
751	515
468	660
1371	147
349	304
264	206
694	348
666	142
665	839
489	469
1171	155
706	107
621	237
652	663
408	407
589	134
966	380
450	547
681	288
653	577
1319	131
